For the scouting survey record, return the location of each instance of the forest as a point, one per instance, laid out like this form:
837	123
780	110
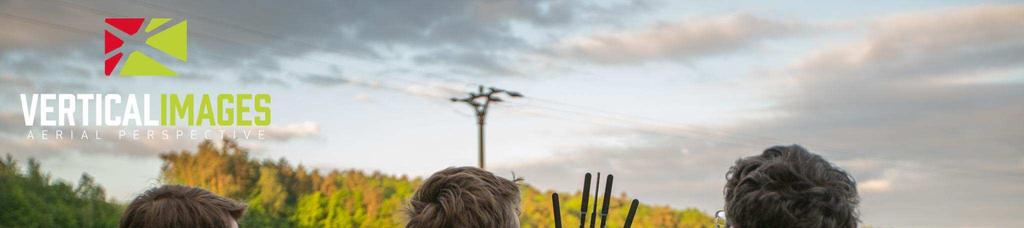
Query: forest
279	194
31	198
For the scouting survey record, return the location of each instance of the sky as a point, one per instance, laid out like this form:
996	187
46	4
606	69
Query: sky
921	101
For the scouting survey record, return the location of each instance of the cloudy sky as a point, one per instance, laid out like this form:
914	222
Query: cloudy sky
922	101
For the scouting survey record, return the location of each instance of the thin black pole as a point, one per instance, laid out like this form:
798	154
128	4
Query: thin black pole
556	210
586	199
480	124
597	189
607	197
632	212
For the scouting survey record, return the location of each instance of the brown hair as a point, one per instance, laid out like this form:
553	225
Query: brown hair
181	206
787	186
465	197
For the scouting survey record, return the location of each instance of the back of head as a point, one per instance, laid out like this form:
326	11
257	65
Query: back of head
465	197
786	186
181	206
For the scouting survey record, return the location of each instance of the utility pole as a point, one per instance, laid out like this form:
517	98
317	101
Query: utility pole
479	101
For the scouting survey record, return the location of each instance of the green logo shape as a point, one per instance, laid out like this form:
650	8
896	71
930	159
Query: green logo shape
141	64
172	41
156	23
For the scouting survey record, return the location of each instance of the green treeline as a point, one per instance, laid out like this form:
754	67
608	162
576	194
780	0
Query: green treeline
32	199
280	195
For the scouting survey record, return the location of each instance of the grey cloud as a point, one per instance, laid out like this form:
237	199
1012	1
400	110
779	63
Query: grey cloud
888	98
936	43
685	39
257	78
31	25
475	63
333	77
226	35
323	80
28	68
15	82
10	122
899	93
688	172
901	110
12	83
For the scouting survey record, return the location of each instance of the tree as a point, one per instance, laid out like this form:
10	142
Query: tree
31	199
280	195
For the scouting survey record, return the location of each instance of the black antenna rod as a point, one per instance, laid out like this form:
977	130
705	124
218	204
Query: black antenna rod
632	212
586	199
607	196
597	189
556	210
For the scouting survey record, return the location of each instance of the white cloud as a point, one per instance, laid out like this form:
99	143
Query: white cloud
412	86
434	90
859	165
689	177
874	186
892	175
363	97
687	38
928	43
292	131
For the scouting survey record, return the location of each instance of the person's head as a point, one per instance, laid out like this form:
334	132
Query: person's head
465	197
181	206
786	186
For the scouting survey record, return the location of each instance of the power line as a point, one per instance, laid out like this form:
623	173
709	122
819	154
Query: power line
928	168
680	126
257	32
620	116
627	123
613	116
53	25
269	36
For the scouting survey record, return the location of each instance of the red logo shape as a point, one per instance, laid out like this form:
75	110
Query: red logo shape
110	63
126	25
112	42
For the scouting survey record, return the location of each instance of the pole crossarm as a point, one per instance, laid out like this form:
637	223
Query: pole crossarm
480	101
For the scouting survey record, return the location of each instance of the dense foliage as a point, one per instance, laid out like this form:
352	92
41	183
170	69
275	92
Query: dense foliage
31	199
282	195
278	195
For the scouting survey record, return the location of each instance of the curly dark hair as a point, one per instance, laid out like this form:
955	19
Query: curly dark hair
786	186
464	197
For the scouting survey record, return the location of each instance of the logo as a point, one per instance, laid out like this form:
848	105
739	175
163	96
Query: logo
162	38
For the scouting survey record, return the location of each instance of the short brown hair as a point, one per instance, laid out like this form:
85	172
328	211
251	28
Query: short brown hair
181	206
465	197
787	186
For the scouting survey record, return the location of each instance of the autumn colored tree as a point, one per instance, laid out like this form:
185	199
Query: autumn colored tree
282	195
